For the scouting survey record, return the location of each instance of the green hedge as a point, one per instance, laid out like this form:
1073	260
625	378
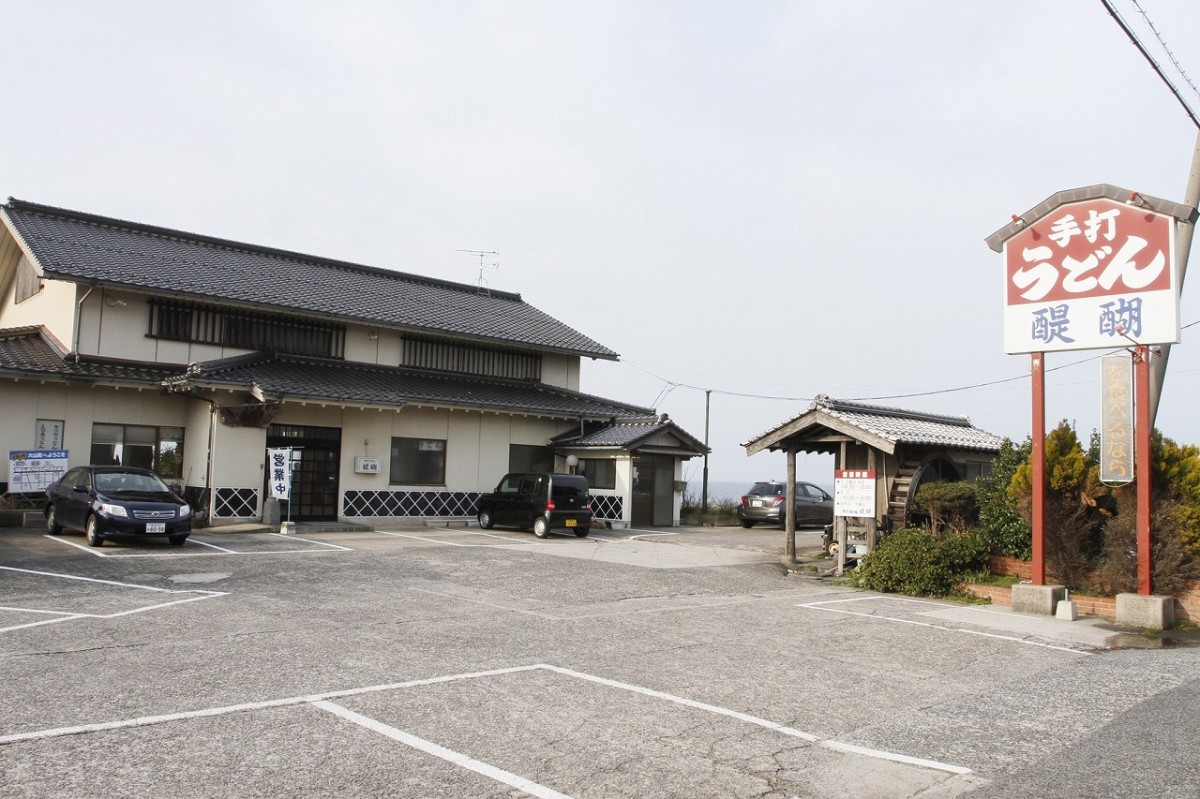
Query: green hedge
919	562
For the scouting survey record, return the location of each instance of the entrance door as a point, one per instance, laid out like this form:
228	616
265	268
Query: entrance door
314	470
653	491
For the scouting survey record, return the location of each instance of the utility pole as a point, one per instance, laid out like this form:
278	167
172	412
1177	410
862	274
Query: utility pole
704	483
1183	246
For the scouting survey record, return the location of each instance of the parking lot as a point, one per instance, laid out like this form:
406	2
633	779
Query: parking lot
454	661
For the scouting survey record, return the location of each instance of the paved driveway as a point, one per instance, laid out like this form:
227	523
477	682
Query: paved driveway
460	662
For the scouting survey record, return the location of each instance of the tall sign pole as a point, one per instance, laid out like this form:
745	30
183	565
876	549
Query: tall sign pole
1038	463
1142	451
1087	269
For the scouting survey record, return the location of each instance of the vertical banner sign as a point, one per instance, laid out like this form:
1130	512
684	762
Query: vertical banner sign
280	478
1116	420
1091	275
854	493
48	434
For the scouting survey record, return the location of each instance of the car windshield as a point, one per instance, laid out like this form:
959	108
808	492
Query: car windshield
129	481
766	490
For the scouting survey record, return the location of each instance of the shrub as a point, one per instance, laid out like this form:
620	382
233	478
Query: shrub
1077	504
1176	469
1000	522
950	504
921	562
1170	561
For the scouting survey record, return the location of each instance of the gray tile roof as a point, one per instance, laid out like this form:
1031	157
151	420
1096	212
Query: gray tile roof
297	377
85	248
628	433
898	425
911	427
24	352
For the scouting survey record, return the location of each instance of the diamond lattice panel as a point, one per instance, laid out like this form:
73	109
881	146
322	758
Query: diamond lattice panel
237	503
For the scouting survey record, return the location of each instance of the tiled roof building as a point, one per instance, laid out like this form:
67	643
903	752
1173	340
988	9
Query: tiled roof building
402	395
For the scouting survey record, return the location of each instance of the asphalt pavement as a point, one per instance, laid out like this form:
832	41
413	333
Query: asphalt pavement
454	661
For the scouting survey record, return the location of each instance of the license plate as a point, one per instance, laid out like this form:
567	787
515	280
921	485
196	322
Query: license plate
570	522
156	527
756	503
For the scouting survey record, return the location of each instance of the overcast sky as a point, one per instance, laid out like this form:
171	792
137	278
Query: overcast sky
764	199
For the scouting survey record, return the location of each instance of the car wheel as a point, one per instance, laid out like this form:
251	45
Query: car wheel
94	538
831	549
747	523
541	527
581	532
52	524
485	520
177	540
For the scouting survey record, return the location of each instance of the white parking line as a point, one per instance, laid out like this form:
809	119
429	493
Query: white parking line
915	623
290	537
179	552
507	541
61	616
318	699
449	755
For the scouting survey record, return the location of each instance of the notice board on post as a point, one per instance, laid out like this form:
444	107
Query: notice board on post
32	470
854	493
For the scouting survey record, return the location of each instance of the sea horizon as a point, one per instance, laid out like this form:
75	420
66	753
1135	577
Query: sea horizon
733	489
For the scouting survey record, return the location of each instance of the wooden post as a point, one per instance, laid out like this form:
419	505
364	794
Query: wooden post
873	522
1143	466
789	550
1038	464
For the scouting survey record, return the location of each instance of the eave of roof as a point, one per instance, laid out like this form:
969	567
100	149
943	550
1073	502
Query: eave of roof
1182	213
879	426
25	354
90	249
630	434
314	379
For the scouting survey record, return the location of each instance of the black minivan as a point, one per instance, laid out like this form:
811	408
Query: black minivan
539	501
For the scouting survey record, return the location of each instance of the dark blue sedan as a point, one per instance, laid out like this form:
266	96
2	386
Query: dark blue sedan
115	501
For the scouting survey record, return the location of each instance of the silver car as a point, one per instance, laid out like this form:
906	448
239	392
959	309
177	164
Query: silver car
765	501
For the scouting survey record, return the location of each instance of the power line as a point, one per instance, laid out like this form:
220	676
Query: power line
1150	59
1166	48
672	385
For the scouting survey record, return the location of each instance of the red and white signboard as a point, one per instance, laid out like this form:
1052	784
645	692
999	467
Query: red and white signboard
854	493
1091	275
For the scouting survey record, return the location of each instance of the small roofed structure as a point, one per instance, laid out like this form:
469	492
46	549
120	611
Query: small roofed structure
904	448
653	448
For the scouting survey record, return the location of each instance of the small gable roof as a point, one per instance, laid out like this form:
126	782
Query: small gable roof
877	425
650	434
84	248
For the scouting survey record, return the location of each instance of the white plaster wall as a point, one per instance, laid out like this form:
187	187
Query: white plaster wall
115	324
496	433
80	406
625	488
24	403
238	458
53	307
195	444
384	349
561	371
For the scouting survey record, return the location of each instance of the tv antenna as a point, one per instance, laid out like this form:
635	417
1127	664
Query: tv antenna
480	283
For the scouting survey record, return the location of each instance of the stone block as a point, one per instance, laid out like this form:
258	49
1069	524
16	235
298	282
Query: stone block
1066	610
1039	599
1146	612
